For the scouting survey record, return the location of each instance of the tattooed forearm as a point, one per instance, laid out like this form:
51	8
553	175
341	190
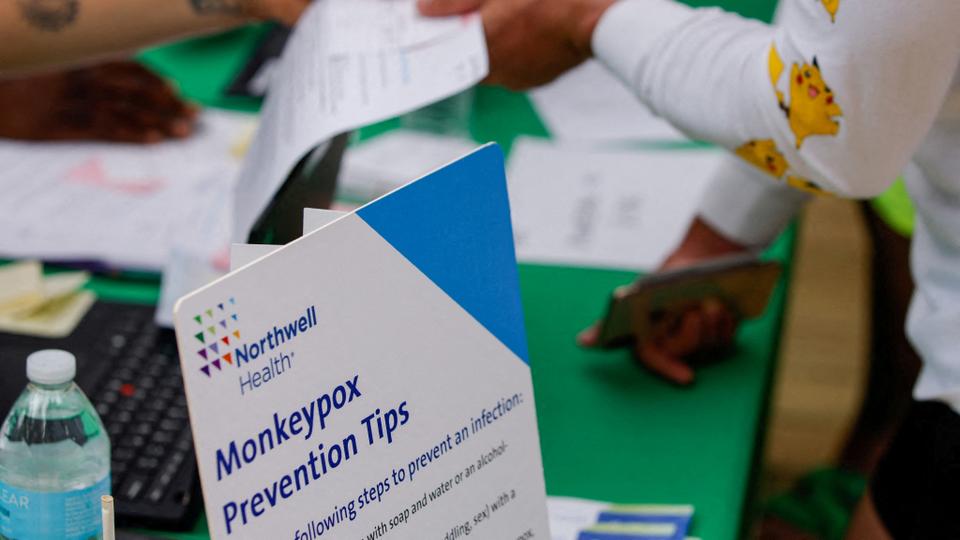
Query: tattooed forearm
49	15
229	7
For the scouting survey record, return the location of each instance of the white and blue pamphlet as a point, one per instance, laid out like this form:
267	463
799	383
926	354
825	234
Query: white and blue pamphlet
370	379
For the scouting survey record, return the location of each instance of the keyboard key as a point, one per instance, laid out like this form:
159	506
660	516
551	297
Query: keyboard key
133	441
140	350
162	437
155	494
185	445
118	341
147	464
148	417
117	467
129	405
157	405
127	390
124	454
133	486
177	413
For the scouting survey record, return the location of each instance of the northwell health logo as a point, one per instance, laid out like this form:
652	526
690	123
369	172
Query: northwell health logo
217	332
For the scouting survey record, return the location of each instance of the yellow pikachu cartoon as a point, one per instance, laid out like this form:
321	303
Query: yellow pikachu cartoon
832	6
775	65
764	155
812	107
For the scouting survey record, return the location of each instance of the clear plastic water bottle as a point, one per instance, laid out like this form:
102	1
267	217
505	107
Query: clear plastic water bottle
54	457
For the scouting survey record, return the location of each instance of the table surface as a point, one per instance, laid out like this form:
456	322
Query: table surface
608	430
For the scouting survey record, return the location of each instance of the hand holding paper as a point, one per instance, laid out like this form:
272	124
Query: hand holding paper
349	63
531	42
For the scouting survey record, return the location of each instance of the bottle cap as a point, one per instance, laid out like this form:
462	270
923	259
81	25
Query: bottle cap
51	366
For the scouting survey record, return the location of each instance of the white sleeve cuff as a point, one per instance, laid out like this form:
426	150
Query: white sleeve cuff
747	206
629	29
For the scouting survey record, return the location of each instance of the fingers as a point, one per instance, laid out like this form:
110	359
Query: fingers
661	362
590	336
440	8
686	337
719	324
132	104
708	326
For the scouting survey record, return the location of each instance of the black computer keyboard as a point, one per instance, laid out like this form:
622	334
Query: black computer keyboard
129	369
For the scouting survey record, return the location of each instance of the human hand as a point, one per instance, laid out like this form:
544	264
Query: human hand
116	101
286	12
530	42
709	326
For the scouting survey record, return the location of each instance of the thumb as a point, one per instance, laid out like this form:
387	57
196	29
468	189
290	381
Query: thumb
589	336
664	364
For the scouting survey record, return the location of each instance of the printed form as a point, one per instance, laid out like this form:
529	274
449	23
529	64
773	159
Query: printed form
347	64
622	208
123	205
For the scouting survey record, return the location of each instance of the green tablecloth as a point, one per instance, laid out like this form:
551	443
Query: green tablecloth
608	430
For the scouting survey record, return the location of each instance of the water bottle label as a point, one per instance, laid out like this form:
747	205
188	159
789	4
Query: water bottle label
35	515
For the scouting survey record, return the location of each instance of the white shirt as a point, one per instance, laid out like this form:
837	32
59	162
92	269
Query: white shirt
838	95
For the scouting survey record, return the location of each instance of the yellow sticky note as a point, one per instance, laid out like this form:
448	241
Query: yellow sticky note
21	284
54	318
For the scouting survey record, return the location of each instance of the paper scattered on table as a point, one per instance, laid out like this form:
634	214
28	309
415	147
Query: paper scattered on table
623	209
583	519
122	205
38	305
349	63
589	104
380	165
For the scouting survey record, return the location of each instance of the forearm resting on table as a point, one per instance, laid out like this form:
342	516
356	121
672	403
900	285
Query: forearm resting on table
49	33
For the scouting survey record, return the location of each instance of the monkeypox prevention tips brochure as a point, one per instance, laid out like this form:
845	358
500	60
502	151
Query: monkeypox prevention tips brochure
370	380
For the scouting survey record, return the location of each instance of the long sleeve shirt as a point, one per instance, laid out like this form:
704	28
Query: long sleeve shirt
838	96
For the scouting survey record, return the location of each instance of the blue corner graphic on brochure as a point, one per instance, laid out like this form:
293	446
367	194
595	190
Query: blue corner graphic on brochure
454	225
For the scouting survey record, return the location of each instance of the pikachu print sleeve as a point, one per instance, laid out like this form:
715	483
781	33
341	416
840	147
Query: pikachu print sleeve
835	96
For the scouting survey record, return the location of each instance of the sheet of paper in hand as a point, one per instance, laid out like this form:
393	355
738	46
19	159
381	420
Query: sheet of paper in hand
350	63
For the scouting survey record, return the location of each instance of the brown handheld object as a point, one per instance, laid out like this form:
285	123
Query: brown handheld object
743	283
